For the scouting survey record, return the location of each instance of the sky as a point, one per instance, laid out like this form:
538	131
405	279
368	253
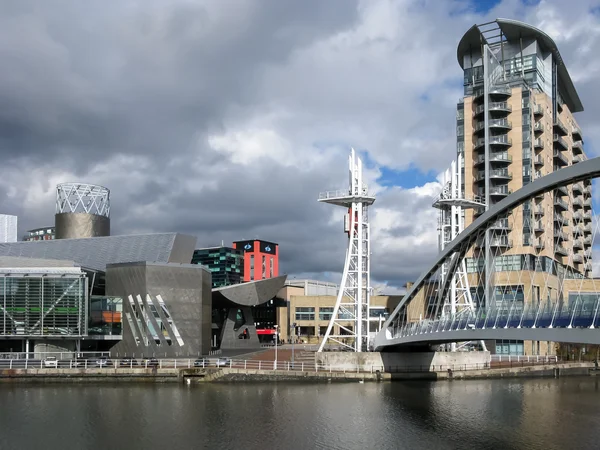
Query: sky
225	119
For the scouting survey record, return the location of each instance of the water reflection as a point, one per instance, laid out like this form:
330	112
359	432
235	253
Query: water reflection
487	414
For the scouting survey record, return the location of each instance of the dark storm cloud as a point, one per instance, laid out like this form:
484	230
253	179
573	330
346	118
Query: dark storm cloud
86	79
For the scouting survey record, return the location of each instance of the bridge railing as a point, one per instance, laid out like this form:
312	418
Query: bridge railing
557	314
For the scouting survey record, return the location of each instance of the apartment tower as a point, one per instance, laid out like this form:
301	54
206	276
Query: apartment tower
515	124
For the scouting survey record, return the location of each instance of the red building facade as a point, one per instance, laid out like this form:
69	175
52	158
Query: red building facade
261	259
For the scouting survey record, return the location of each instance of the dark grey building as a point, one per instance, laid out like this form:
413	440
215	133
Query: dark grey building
166	308
226	264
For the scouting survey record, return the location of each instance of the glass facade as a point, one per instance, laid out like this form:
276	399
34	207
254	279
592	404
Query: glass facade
325	313
508	347
43	305
105	316
509	263
225	264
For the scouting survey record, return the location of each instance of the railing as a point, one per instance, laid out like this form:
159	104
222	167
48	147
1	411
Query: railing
549	314
117	365
577	147
340	193
560	141
561	126
558	155
538	110
538	143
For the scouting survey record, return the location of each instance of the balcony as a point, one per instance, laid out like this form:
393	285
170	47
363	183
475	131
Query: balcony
538	211
576	133
500	174
560	159
578	243
560	250
538	244
578	216
537	175
538	110
560	235
578	159
538	226
500	191
480	109
538	161
587	254
500	106
560	204
587	203
501	139
562	191
500	241
561	220
577	148
500	224
587	217
578	231
588	266
587	229
538	144
577	259
560	127
500	123
577	203
587	241
495	157
538	127
587	191
504	91
560	142
577	189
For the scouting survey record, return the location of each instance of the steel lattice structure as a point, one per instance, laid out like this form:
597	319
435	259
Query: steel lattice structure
349	324
533	296
82	198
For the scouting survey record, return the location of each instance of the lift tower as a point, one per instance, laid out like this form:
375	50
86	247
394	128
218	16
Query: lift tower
349	323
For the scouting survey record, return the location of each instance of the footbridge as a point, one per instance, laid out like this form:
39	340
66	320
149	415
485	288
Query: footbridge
528	269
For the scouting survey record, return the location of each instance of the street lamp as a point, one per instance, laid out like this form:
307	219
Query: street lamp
276	339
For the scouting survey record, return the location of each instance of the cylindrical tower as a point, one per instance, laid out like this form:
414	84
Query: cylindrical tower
82	211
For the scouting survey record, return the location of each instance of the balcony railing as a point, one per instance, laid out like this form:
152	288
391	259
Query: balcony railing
560	235
578	202
578	216
500	241
587	203
576	132
538	244
538	110
577	159
538	143
500	106
500	123
577	187
538	160
500	190
538	226
563	191
577	148
560	142
578	231
539	211
502	139
500	90
500	224
587	241
559	249
558	156
560	127
560	204
539	126
578	259
562	220
577	243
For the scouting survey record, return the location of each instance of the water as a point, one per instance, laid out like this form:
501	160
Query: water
487	414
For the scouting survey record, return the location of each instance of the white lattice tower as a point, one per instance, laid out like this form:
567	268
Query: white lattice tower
82	198
349	324
452	204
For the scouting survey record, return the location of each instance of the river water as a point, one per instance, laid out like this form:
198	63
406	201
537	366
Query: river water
488	414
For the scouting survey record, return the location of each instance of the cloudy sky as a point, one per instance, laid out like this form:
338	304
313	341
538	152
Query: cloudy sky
225	119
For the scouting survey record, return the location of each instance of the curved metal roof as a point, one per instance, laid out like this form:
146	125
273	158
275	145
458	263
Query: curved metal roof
514	29
251	293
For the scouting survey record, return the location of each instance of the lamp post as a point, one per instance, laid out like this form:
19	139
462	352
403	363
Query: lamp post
276	339
293	335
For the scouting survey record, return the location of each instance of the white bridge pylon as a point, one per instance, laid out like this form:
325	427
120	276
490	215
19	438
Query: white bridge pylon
349	323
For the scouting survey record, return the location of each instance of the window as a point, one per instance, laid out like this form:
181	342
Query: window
271	267
325	313
251	267
305	313
508	347
378	312
264	267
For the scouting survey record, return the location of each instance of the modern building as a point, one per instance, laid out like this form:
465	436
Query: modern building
134	294
226	264
40	234
8	228
515	124
306	317
261	259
